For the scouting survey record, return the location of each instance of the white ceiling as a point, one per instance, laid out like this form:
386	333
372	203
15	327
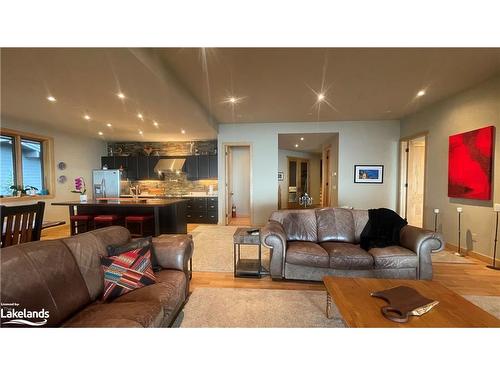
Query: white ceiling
87	80
186	88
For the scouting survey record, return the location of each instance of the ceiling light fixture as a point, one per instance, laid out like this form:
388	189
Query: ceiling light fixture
155	123
321	97
100	133
183	131
86	117
301	138
50	98
140	116
296	145
109	125
140	132
121	95
421	93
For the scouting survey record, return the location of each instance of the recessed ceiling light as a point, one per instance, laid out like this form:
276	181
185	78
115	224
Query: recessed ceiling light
140	116
155	123
321	97
50	98
232	99
109	125
140	132
183	131
86	117
301	138
121	95
100	133
421	93
296	145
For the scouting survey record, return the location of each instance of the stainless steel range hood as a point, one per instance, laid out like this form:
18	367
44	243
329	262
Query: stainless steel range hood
169	165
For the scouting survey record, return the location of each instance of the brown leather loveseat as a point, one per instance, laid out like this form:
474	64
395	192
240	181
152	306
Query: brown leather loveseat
65	278
312	243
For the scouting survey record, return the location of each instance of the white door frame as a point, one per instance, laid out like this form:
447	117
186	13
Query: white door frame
424	135
225	147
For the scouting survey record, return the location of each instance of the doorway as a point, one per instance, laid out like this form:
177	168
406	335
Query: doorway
412	179
238	183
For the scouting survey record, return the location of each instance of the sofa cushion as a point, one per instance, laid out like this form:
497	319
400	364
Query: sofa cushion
394	257
347	256
299	225
305	253
124	314
126	272
169	291
88	248
42	275
335	224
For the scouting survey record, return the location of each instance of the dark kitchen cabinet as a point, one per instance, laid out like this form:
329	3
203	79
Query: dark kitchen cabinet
191	168
203	167
142	167
108	161
202	210
132	167
151	166
212	166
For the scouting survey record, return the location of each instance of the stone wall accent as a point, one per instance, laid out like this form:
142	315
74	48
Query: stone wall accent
208	147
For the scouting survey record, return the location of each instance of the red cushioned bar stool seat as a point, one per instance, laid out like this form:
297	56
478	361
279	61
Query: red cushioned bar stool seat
106	220
139	225
81	223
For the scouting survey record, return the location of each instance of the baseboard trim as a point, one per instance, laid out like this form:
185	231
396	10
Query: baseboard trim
472	254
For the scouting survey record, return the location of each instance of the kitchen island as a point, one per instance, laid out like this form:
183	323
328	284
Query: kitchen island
169	213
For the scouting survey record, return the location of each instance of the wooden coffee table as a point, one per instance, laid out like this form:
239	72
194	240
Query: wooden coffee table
359	309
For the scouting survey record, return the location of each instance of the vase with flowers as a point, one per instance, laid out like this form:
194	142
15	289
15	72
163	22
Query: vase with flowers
80	189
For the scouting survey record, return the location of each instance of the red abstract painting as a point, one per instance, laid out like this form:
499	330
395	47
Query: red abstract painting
470	164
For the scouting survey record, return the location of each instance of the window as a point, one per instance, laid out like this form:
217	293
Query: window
24	160
7	164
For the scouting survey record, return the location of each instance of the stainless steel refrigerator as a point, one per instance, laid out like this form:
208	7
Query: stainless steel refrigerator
107	183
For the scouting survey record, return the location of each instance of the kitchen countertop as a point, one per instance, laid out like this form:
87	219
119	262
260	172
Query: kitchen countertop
141	202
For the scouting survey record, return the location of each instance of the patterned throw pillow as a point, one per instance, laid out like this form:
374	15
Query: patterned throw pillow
126	272
146	242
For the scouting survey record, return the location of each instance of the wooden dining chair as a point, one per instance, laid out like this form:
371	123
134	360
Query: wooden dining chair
21	223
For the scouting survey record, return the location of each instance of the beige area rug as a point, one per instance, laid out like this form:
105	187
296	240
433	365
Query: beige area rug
490	304
257	308
213	249
445	256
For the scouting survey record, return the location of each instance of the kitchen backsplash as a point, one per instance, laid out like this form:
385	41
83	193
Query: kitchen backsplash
175	184
162	148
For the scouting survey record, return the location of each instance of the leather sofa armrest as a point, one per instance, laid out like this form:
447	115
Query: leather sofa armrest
273	236
174	251
422	242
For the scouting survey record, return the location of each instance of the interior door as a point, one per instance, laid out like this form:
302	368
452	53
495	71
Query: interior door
412	180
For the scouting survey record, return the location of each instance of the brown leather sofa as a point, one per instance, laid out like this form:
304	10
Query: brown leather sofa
65	278
312	243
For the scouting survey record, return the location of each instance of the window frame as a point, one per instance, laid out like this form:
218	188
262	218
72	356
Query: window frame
48	173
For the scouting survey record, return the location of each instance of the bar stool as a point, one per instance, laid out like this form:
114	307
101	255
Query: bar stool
81	223
101	221
139	221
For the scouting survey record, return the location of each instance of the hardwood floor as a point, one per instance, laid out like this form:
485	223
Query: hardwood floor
241	221
466	279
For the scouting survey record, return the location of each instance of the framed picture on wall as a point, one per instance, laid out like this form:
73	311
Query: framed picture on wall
281	176
368	174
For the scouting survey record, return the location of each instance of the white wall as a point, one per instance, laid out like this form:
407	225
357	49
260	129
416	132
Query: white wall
314	173
81	155
360	142
472	109
241	179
